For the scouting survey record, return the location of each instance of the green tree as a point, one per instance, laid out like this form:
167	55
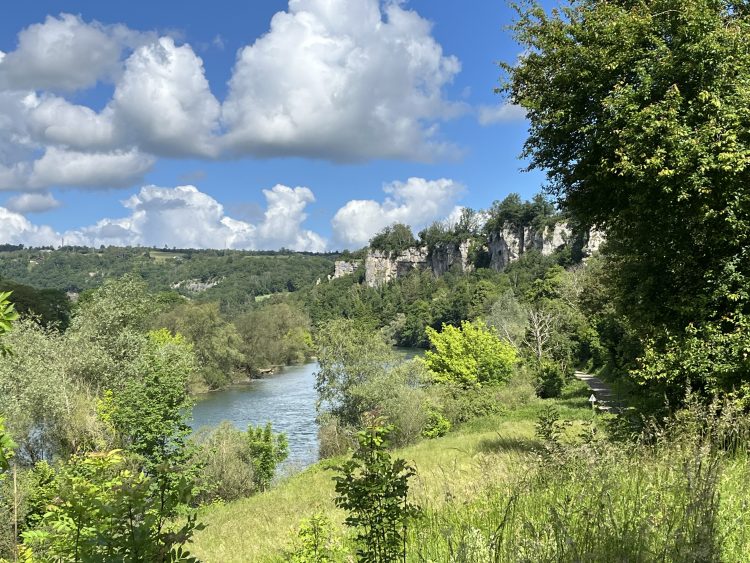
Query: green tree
469	355
373	488
393	239
638	113
266	450
349	355
215	341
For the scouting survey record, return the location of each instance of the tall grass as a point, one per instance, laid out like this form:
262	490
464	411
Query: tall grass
677	495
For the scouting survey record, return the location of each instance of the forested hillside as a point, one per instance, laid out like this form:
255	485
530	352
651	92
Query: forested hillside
230	277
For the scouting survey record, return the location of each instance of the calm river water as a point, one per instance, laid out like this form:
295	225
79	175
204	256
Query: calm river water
286	399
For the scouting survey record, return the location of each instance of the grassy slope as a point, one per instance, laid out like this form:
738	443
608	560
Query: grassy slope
454	467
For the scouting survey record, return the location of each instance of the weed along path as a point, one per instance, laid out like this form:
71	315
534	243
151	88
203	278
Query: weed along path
605	398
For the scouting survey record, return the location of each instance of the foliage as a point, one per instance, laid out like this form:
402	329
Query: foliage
315	542
469	356
348	355
437	425
103	511
149	413
550	379
712	358
513	213
393	239
638	112
8	314
215	341
266	451
239	276
226	472
274	335
374	489
6	447
50	306
236	464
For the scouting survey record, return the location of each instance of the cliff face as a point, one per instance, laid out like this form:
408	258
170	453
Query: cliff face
504	246
344	268
382	267
445	256
508	244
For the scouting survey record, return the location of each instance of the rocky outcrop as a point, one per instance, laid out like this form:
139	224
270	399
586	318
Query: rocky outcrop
508	244
382	267
195	286
504	246
445	256
344	268
592	243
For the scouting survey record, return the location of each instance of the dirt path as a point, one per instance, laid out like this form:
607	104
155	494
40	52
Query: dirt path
605	398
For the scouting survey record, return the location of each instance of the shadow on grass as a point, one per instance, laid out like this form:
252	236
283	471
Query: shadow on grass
508	444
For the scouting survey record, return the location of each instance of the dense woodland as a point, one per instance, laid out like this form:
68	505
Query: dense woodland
638	114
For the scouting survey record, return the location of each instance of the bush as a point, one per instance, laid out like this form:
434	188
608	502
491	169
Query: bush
550	379
469	355
315	542
374	489
238	464
437	425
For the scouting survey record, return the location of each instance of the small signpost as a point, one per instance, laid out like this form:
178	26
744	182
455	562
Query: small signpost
592	400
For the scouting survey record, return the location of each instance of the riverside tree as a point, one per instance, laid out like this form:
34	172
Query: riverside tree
469	355
638	113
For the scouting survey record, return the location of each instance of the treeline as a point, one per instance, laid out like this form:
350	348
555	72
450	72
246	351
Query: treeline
231	277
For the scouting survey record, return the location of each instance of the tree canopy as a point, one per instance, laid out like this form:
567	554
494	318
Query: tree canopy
638	113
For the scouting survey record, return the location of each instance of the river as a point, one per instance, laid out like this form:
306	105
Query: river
286	399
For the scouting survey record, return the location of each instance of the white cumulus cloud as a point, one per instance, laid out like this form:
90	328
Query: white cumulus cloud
17	229
416	202
163	101
185	217
65	53
341	80
32	203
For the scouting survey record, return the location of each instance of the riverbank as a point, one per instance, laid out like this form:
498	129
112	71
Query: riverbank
452	469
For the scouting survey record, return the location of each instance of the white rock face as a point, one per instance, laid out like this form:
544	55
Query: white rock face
593	243
445	256
195	286
508	244
382	267
343	268
504	246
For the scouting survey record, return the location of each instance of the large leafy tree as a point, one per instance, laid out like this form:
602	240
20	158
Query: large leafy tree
638	112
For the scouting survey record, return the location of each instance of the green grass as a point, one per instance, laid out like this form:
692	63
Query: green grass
451	470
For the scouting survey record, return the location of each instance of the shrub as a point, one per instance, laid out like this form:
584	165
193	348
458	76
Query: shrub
437	425
315	542
550	379
469	355
374	489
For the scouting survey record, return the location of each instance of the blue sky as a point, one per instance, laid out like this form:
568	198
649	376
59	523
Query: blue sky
349	113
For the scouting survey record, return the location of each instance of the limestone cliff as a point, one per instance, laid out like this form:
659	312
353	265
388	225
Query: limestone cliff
508	244
343	268
444	256
382	267
503	246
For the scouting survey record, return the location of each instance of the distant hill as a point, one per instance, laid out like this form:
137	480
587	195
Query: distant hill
232	277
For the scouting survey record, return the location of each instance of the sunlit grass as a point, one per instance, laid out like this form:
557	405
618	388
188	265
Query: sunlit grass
452	469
